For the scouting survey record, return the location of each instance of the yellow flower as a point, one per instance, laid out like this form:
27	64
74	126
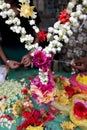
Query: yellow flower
67	125
2	108
26	10
82	79
16	110
62	99
34	128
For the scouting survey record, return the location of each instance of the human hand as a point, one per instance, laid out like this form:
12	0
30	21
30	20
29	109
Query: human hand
80	64
13	64
26	60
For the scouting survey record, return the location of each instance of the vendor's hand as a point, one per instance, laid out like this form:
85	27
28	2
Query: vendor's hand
80	64
13	64
26	60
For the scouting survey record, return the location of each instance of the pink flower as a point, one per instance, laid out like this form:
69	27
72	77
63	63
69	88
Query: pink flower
44	87
41	60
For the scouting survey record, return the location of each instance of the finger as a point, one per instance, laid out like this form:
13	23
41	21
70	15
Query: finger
80	68
27	64
23	60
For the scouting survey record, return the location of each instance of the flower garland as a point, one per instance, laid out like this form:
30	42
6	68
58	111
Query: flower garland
68	22
26	11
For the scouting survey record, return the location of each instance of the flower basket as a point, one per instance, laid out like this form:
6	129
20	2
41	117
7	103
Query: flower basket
79	82
78	116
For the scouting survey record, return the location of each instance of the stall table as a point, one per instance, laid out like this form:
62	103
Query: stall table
21	73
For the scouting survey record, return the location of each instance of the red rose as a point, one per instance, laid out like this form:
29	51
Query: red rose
80	110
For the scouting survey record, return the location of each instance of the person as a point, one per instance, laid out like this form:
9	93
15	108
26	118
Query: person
12	51
81	64
12	64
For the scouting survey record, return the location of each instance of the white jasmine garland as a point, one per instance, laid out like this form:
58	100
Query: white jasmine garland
43	76
15	22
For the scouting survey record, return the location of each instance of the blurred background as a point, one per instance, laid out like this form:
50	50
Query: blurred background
49	11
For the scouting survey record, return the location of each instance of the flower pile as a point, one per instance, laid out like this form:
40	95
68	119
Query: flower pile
78	112
68	22
63	95
43	92
80	82
10	92
71	102
16	102
35	118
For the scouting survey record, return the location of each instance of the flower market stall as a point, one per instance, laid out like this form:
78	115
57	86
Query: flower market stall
47	102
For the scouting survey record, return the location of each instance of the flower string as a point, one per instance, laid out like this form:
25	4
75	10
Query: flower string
14	21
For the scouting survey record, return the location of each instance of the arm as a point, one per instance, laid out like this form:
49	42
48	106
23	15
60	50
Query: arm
12	64
80	64
2	55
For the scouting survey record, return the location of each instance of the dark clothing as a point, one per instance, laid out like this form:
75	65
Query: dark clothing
11	40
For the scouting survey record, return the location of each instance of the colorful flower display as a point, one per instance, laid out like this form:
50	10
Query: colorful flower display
68	96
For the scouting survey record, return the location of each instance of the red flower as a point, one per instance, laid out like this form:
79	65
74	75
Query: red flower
47	117
69	90
80	110
24	91
1	99
7	117
42	35
27	113
5	97
64	16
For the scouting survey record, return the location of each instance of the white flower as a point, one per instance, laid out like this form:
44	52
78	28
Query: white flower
79	7
66	39
49	36
70	5
73	14
50	29
56	25
23	1
78	13
69	32
81	17
85	2
59	49
60	32
36	29
32	22
23	31
55	31
10	12
34	15
56	37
